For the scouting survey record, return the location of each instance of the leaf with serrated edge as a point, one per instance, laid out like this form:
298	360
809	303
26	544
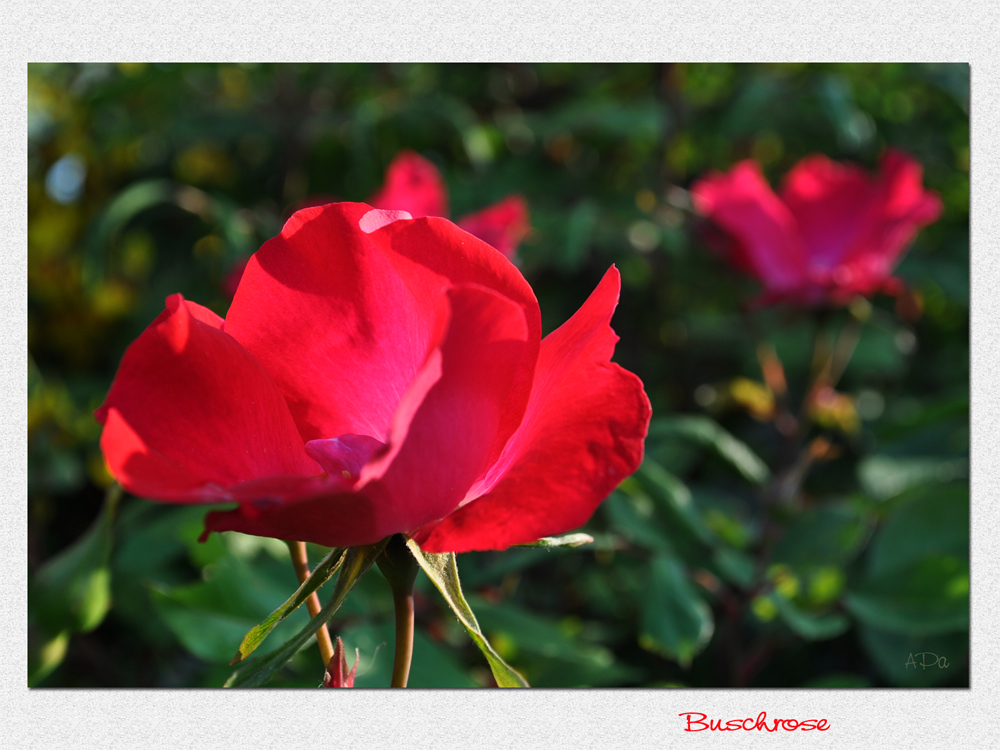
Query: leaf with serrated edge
327	567
443	572
255	672
568	540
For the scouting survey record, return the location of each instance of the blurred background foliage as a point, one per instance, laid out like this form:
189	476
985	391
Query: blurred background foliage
739	555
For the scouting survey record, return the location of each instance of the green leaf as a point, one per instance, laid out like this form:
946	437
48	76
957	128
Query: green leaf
256	671
947	410
210	615
45	653
557	656
811	627
928	597
630	517
479	571
443	572
568	540
735	566
883	477
675	497
193	615
832	534
73	590
935	521
125	206
707	432
676	620
327	567
729	518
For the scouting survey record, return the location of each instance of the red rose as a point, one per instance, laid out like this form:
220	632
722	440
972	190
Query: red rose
378	374
833	233
414	185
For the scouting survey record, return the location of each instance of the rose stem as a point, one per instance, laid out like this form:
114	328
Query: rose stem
860	310
400	570
300	559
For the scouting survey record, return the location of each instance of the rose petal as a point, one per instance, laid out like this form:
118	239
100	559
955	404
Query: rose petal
502	225
902	207
439	447
856	227
344	455
742	203
343	319
831	203
581	435
466	418
414	185
337	519
191	413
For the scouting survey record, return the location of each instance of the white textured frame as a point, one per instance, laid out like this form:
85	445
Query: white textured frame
584	30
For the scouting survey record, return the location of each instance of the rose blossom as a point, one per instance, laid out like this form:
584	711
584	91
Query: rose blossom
833	233
378	374
413	184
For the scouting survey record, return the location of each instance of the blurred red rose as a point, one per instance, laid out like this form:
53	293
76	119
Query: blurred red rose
378	374
414	185
833	233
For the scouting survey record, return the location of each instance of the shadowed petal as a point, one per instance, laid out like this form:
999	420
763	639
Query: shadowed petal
191	413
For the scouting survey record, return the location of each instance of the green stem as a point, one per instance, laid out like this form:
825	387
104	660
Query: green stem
847	342
400	570
404	638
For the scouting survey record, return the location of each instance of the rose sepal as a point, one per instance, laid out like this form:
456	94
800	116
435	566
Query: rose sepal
323	572
255	672
442	569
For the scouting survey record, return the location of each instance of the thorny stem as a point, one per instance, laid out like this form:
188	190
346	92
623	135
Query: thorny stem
400	570
300	559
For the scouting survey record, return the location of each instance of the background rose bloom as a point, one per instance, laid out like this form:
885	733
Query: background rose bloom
833	233
375	375
413	184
